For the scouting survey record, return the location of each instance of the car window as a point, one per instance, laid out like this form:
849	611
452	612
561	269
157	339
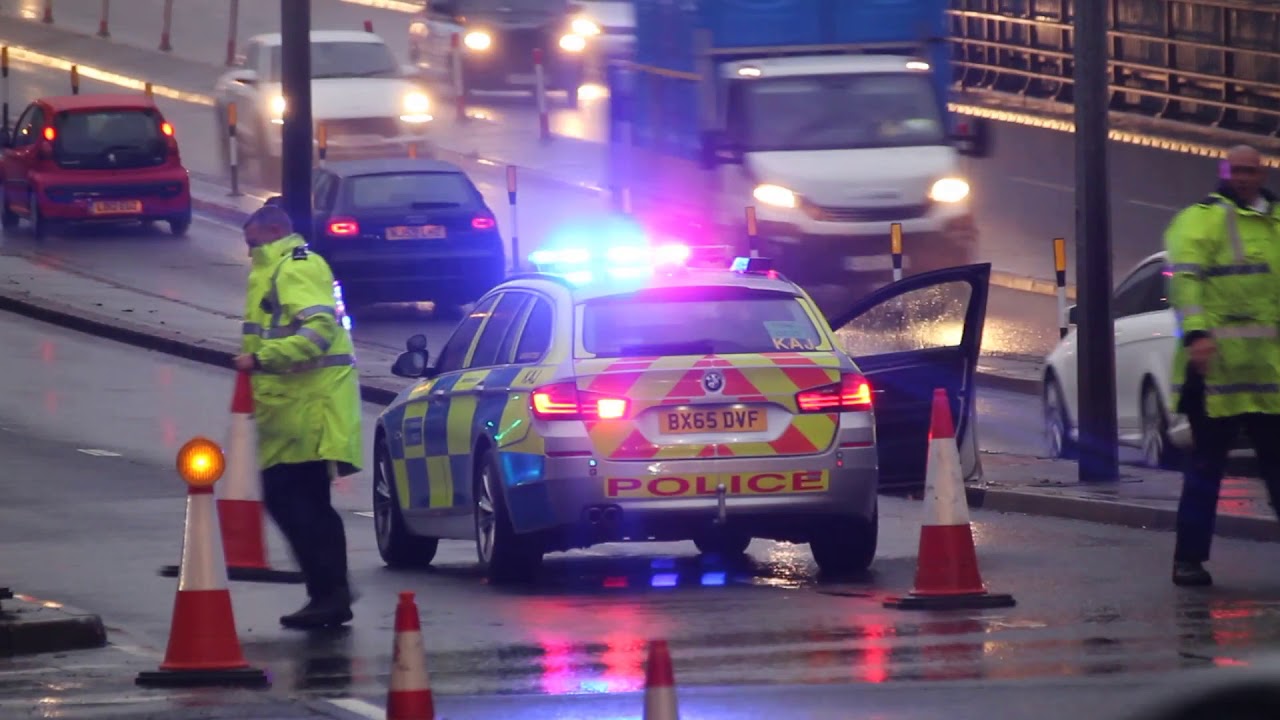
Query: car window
921	319
454	351
340	59
109	139
504	315
409	191
323	191
29	125
1142	292
535	337
696	321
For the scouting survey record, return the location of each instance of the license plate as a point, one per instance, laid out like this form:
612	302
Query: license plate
116	207
415	232
522	79
719	420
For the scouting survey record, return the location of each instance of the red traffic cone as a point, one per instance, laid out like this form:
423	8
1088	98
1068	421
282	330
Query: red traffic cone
240	512
409	692
659	684
947	576
203	646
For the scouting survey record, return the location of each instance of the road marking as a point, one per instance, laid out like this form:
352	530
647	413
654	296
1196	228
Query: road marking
114	699
1154	206
363	513
1043	184
98	453
359	707
397	5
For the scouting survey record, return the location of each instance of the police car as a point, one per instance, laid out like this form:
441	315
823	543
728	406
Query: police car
623	396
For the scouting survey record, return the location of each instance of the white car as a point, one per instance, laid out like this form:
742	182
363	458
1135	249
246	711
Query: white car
365	102
1146	338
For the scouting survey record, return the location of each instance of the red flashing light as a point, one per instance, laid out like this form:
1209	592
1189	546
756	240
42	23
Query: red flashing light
50	134
851	394
167	129
483	222
564	401
343	227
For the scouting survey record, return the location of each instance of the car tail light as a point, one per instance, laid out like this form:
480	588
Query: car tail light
851	394
343	227
167	129
483	222
564	401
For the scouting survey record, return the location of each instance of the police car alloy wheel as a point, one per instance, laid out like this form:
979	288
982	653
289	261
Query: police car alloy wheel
397	547
504	555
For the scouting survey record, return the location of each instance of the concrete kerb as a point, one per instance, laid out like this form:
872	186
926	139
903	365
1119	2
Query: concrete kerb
30	627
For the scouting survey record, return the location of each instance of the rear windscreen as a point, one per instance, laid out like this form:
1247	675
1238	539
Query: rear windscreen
409	191
697	321
109	139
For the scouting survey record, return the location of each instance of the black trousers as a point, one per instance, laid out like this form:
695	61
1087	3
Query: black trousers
1212	439
298	498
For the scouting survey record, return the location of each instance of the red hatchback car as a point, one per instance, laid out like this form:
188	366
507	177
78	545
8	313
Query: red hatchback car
93	158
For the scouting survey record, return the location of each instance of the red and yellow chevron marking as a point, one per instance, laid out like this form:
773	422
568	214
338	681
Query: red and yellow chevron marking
755	378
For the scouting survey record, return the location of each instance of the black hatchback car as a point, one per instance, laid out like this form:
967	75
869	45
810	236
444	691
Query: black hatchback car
496	40
405	230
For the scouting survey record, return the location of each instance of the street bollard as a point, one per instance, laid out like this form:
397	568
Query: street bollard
103	32
48	12
75	79
168	25
753	239
1060	276
233	150
149	91
233	23
540	92
515	222
895	247
4	87
455	65
368	26
322	140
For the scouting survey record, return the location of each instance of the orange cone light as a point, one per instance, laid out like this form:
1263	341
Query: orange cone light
409	692
947	575
203	647
659	684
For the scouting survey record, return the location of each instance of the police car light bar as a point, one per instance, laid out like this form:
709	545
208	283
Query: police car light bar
752	265
583	265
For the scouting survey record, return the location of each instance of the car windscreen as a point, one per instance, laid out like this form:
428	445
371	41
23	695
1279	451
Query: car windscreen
697	321
108	139
343	60
526	7
408	191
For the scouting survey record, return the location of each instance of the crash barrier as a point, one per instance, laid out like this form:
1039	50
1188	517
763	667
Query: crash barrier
4	87
947	575
203	647
75	79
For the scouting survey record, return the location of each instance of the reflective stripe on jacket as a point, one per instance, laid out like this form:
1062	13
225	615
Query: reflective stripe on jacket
306	393
1224	281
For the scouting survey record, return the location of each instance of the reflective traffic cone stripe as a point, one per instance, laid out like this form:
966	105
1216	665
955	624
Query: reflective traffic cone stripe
409	692
660	684
203	647
947	575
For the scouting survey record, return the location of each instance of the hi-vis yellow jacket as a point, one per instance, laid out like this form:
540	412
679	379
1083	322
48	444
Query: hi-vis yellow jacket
1225	283
306	391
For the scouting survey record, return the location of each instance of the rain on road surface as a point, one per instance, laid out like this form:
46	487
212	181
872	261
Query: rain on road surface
88	429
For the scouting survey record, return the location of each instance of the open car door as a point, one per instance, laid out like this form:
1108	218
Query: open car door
908	338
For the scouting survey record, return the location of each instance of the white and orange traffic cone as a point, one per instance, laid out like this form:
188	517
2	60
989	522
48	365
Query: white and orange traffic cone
203	647
240	512
659	684
409	692
947	576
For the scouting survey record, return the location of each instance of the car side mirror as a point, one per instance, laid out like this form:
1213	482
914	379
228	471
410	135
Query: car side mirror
972	137
244	76
412	364
416	343
1073	315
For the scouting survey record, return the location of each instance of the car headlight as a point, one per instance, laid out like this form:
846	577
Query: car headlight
584	27
417	108
775	195
573	43
949	190
477	40
277	106
417	27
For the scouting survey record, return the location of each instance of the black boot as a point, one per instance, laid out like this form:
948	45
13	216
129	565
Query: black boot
1191	574
329	611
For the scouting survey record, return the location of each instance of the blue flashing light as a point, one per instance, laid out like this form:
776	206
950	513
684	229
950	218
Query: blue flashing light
664	580
582	265
752	265
713	579
662	563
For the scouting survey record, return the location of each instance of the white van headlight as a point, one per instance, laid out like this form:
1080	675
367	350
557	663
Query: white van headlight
775	195
417	108
477	40
949	190
277	109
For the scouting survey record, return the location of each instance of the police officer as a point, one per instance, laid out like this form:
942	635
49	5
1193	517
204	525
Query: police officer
306	404
1224	255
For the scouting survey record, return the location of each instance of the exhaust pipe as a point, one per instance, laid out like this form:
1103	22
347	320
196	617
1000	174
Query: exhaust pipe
611	514
593	516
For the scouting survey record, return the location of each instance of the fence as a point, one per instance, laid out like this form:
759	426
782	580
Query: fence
1206	62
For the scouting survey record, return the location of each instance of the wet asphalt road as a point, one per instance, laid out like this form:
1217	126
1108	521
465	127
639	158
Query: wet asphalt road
88	429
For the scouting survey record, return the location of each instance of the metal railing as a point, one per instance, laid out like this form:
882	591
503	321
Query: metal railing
1212	63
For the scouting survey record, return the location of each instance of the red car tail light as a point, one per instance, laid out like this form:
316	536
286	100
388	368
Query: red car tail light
483	222
343	227
167	129
851	394
564	401
50	134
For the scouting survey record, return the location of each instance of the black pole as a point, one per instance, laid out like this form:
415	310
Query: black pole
1099	441
295	38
